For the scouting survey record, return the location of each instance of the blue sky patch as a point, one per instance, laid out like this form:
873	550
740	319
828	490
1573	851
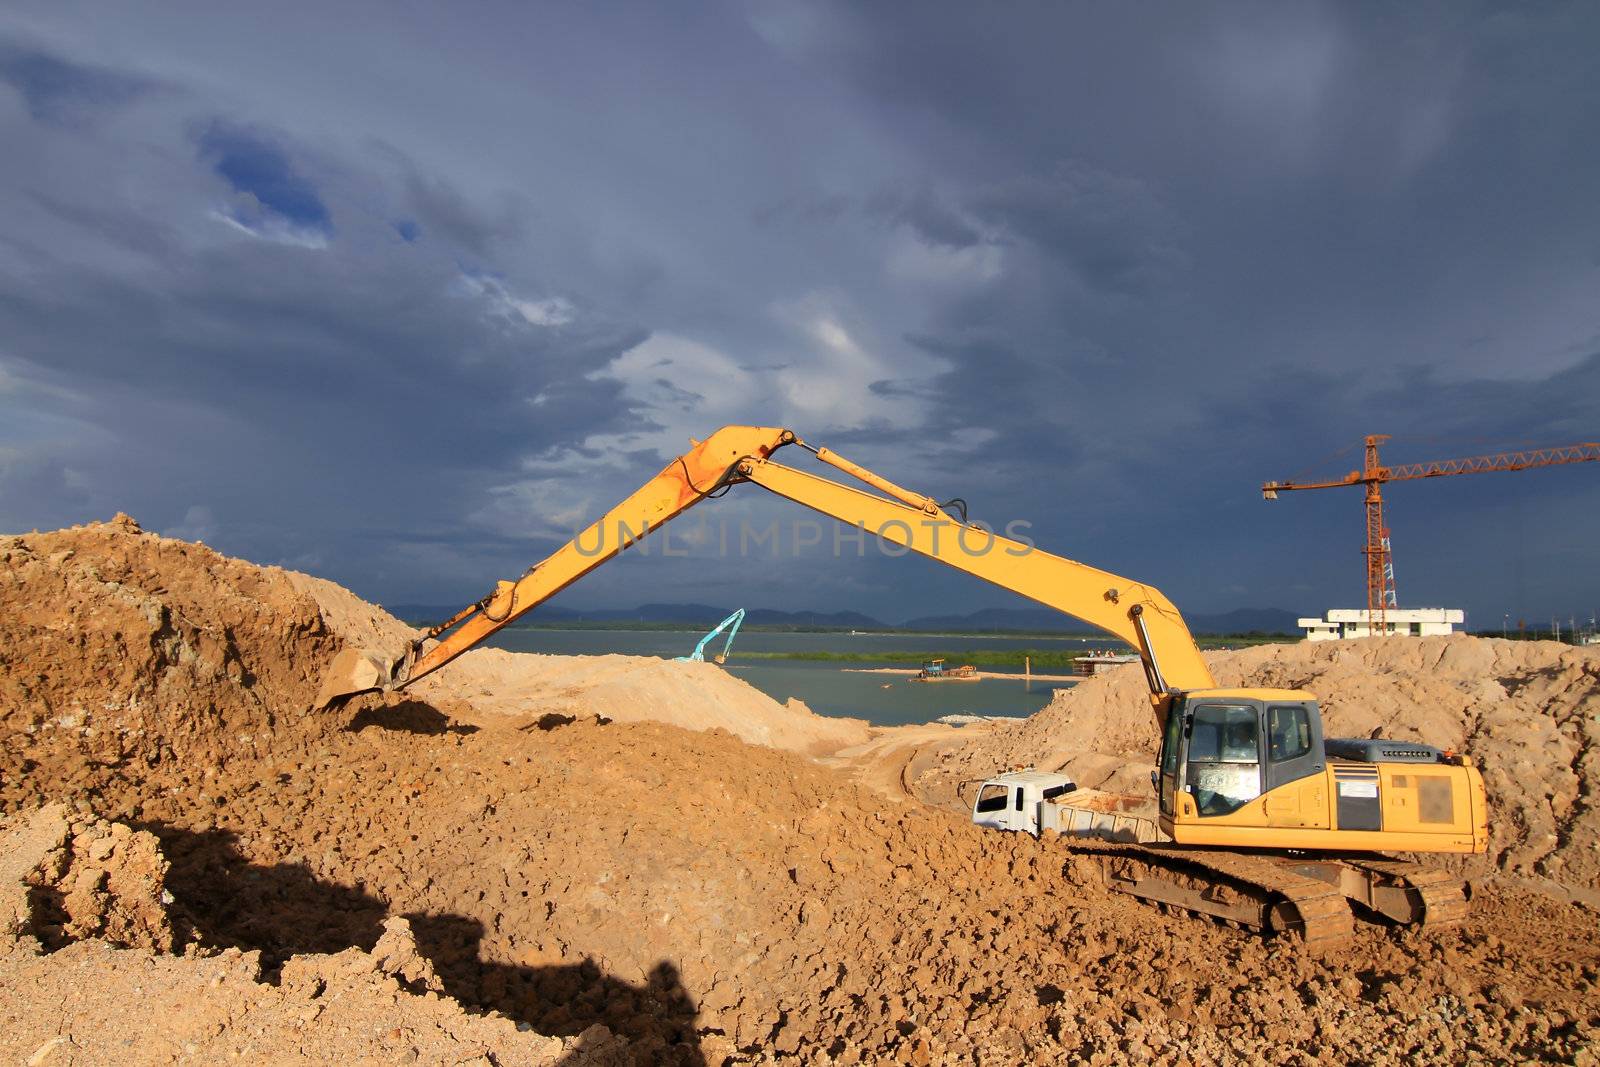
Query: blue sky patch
258	168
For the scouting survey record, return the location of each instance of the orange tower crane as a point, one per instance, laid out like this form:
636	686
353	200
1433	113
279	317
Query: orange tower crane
1380	566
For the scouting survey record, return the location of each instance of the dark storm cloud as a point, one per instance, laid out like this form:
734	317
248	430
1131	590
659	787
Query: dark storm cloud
1271	235
301	389
59	91
928	215
1112	232
403	305
440	209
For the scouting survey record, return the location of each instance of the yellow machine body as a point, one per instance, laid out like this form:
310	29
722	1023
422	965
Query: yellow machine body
1222	785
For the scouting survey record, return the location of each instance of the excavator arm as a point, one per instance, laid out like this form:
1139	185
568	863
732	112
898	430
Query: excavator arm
699	653
704	470
1132	611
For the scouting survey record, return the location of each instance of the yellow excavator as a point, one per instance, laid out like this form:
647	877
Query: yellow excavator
1262	822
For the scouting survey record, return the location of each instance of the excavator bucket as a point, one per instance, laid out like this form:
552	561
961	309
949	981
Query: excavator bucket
354	671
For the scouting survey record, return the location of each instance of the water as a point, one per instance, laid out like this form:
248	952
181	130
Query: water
883	699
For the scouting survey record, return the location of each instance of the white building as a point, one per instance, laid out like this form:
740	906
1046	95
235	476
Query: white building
1401	622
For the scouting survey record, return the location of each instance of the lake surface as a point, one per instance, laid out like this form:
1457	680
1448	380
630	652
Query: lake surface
883	699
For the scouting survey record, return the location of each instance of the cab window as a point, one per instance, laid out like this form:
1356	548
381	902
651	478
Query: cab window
1224	733
1224	757
1288	732
1169	742
992	798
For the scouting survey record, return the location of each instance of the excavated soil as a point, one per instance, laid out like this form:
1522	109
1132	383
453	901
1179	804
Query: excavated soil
432	878
77	893
488	684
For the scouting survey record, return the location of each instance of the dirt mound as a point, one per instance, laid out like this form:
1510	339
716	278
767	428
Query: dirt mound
355	622
120	650
697	696
1527	712
704	900
79	878
67	880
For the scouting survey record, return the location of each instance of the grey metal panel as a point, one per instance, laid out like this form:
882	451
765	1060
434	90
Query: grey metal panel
1358	802
1378	750
1282	772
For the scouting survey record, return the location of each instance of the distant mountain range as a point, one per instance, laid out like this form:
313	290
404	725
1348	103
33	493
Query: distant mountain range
988	620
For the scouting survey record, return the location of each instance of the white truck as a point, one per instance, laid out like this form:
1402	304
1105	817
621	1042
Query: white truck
1032	801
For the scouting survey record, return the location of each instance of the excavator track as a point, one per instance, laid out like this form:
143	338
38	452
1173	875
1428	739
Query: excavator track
1411	893
1242	890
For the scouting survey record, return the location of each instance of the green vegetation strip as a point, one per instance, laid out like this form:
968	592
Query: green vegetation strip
1040	658
984	658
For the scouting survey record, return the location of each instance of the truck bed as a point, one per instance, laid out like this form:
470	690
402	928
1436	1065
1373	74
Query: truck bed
1093	813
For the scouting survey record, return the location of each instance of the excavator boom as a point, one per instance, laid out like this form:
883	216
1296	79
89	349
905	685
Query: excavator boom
1133	611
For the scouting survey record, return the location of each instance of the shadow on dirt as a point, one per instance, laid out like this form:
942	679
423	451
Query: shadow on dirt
412	717
657	1017
283	910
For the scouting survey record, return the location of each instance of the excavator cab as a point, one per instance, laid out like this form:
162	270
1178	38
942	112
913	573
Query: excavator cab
1223	750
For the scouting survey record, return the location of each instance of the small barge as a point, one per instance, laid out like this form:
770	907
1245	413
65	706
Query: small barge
934	670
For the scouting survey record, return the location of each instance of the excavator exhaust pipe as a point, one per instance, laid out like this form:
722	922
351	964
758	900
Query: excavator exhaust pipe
355	671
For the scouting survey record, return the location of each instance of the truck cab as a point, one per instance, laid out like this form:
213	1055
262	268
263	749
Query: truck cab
1015	801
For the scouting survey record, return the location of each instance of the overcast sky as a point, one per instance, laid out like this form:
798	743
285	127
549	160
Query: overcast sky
403	294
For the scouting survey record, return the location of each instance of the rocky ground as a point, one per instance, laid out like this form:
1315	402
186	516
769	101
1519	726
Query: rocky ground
196	865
